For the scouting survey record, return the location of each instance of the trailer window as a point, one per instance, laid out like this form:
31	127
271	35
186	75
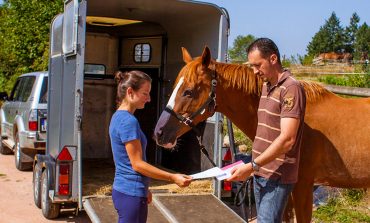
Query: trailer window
142	53
98	69
70	27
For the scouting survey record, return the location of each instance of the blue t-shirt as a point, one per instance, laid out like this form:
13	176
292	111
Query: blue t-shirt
124	127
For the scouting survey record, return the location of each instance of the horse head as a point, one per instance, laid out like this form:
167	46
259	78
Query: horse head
192	100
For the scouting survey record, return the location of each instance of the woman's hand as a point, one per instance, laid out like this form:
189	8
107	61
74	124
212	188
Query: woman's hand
181	180
150	197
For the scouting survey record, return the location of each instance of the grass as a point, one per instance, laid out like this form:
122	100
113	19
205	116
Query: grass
351	206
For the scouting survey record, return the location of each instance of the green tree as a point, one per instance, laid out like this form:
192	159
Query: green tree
350	33
330	38
362	44
24	37
238	52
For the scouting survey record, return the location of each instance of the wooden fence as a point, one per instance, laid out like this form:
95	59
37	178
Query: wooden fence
354	91
338	69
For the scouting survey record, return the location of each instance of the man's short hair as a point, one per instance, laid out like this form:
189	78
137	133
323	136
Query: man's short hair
266	46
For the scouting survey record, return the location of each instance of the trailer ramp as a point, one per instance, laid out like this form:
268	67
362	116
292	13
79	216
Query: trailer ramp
168	208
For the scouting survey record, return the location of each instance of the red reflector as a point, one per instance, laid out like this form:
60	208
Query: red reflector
64	169
227	156
32	126
63	179
227	185
63	189
64	155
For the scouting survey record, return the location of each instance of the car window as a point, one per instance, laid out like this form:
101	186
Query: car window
15	92
26	88
44	91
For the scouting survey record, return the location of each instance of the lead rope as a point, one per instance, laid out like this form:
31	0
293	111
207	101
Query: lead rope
204	151
245	188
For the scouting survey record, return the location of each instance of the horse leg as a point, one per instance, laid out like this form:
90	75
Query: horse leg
288	212
302	200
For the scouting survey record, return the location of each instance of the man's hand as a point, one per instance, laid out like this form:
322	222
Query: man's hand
241	173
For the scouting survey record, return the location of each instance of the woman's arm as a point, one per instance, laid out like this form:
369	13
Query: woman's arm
134	152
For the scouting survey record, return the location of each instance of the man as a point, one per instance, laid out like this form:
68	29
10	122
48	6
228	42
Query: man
275	152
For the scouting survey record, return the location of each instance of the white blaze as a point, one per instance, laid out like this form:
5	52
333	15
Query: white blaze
171	102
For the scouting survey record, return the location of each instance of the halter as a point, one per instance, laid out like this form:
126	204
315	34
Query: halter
211	103
245	187
211	100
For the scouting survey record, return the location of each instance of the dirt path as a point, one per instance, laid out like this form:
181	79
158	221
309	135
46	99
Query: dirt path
16	199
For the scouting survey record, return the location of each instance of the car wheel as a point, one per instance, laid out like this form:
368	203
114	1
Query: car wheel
3	149
49	209
37	185
18	156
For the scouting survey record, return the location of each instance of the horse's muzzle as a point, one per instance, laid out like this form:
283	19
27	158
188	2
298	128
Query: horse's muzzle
165	130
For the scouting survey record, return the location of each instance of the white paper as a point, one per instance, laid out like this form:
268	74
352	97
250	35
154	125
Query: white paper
213	172
219	173
227	170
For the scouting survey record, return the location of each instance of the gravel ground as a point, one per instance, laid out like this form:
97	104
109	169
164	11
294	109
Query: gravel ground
16	199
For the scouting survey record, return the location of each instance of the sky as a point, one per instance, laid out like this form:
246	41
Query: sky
291	24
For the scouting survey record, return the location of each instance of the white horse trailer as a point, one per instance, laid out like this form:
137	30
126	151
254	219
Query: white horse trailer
88	43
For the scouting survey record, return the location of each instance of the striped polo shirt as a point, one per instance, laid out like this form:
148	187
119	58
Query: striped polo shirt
286	99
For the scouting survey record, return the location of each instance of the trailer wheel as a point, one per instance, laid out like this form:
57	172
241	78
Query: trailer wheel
18	156
3	149
37	185
49	209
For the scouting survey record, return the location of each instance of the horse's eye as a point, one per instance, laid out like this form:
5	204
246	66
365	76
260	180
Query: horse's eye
188	93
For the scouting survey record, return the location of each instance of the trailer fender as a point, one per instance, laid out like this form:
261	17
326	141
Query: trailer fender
46	162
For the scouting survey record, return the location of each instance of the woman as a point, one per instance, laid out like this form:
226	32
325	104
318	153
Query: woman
130	192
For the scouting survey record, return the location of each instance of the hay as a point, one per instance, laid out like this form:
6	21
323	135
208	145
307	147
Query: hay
196	187
98	176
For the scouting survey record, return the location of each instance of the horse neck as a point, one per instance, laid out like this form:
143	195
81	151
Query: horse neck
236	103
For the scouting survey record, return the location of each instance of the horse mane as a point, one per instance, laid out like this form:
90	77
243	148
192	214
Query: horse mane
314	91
240	77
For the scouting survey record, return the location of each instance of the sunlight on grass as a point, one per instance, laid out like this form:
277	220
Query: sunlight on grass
351	206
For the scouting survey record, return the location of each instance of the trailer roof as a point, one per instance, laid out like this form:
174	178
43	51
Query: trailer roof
159	11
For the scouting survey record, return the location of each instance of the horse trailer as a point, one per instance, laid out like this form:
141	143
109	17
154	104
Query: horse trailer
89	41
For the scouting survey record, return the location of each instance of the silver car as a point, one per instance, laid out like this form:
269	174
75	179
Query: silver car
23	117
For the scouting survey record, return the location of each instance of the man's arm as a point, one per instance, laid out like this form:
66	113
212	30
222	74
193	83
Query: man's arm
281	145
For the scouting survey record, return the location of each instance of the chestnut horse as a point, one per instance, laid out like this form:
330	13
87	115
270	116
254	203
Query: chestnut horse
333	56
336	143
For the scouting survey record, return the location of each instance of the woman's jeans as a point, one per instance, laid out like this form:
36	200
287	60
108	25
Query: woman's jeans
130	209
271	197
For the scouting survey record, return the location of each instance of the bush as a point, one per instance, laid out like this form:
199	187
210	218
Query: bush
307	59
352	80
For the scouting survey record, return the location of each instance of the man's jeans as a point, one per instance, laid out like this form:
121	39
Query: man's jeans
271	198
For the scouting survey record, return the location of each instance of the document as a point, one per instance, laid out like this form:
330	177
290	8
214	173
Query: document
219	173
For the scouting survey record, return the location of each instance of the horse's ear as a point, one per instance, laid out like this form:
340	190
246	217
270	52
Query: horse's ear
186	55
206	57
